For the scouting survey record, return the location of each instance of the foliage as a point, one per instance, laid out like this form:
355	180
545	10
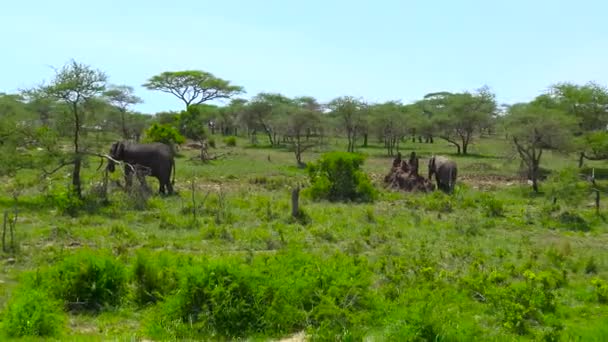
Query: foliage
230	141
75	84
533	128
337	176
32	312
350	112
164	134
277	295
155	276
458	116
192	122
192	86
601	290
122	97
88	280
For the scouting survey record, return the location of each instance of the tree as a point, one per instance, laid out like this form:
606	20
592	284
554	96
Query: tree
193	86
459	116
389	121
16	134
589	105
533	128
192	124
349	111
122	97
265	112
300	122
228	116
73	85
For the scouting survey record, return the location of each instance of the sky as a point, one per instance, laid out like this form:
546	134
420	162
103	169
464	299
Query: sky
380	50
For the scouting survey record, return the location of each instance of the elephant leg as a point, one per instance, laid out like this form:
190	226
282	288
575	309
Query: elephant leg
128	177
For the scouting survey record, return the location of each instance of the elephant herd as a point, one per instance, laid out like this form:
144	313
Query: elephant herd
158	160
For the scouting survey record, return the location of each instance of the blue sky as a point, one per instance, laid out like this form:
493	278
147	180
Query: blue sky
380	50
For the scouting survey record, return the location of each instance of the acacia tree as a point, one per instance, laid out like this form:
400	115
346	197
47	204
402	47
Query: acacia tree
193	86
228	116
74	84
266	111
389	120
350	113
122	97
461	115
587	103
533	128
300	122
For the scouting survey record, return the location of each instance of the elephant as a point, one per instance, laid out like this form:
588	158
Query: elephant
156	158
445	171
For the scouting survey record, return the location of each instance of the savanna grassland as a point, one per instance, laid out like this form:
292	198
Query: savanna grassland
224	260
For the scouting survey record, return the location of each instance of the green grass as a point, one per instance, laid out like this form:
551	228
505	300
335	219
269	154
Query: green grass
491	262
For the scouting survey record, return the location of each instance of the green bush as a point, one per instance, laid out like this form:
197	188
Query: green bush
155	276
33	312
331	297
230	141
88	281
523	302
66	202
337	176
211	142
215	297
601	289
492	206
165	134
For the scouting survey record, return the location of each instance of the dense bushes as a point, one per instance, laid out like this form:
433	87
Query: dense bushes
276	295
155	276
32	313
331	296
337	177
230	141
89	280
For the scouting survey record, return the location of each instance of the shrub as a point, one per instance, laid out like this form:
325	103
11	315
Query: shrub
66	202
522	302
155	277
601	289
337	177
88	281
230	141
32	312
568	187
164	134
216	297
211	142
492	206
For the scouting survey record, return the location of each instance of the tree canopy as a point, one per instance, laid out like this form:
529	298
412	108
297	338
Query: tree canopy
193	86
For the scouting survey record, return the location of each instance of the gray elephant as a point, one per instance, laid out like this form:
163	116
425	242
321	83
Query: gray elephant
445	171
155	158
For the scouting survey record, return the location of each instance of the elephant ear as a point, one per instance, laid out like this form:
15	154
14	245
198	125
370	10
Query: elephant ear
113	149
120	150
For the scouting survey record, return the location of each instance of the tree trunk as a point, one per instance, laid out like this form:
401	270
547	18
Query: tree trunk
77	158
465	148
534	176
76	176
295	202
581	159
125	131
365	140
